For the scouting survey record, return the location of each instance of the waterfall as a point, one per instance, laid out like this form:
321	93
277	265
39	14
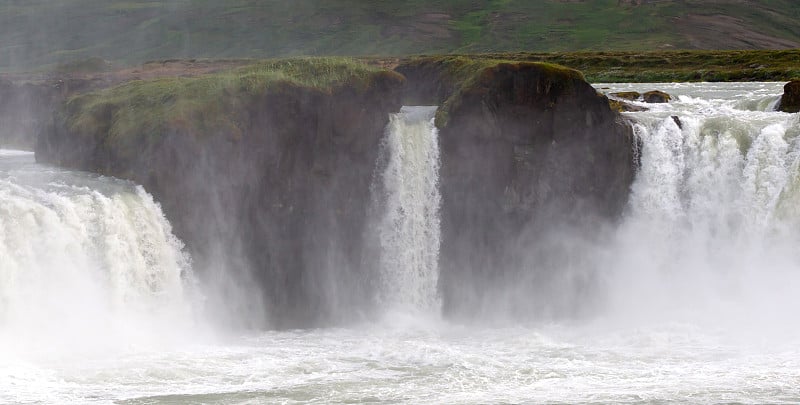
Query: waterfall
713	221
407	192
85	260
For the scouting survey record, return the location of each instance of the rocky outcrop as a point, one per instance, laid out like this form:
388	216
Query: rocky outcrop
271	182
432	80
656	96
627	95
622	106
533	162
790	101
269	188
619	101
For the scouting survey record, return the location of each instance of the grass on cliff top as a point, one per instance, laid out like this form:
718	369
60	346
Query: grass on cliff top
213	103
463	73
670	66
461	69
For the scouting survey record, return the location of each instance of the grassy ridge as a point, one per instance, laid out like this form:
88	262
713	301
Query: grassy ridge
664	66
37	33
136	114
462	74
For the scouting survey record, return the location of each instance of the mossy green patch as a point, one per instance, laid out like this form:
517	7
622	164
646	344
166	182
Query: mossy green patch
670	66
136	114
464	74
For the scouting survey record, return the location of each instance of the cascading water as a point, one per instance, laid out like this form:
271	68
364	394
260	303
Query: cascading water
85	262
713	219
701	279
409	199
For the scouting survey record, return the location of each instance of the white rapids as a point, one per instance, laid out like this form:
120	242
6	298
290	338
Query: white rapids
712	227
700	283
85	262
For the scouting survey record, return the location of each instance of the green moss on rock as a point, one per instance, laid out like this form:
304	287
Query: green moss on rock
656	96
622	106
627	95
446	80
516	82
136	114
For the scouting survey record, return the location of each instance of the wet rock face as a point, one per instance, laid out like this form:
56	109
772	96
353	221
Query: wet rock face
284	202
790	101
528	154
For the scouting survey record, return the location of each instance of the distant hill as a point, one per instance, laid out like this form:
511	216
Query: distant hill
42	33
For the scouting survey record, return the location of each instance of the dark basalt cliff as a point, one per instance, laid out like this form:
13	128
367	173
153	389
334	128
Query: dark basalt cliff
269	184
269	187
533	162
790	101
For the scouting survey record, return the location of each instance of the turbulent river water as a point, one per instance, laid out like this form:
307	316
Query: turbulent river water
698	284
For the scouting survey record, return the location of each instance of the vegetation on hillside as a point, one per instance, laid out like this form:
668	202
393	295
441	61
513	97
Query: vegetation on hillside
668	66
42	33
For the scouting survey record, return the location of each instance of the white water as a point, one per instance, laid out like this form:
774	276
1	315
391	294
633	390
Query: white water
700	281
712	228
410	199
86	263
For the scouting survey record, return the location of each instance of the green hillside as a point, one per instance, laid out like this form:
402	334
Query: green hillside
39	33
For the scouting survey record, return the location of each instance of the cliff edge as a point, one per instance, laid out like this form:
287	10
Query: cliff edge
534	162
264	171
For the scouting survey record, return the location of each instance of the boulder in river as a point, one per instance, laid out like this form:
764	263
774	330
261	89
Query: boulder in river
790	102
627	95
656	96
622	106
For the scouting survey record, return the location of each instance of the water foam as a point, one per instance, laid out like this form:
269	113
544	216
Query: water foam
409	198
85	262
705	238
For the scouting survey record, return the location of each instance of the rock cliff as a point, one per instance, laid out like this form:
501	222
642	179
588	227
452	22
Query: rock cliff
790	101
265	173
533	163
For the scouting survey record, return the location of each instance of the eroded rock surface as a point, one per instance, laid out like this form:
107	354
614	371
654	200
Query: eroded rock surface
533	162
790	101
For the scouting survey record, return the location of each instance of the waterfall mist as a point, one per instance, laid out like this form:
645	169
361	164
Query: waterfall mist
711	230
707	237
87	264
406	198
689	295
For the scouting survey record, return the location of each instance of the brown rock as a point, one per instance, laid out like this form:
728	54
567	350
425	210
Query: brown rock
790	101
527	152
621	106
627	95
656	96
